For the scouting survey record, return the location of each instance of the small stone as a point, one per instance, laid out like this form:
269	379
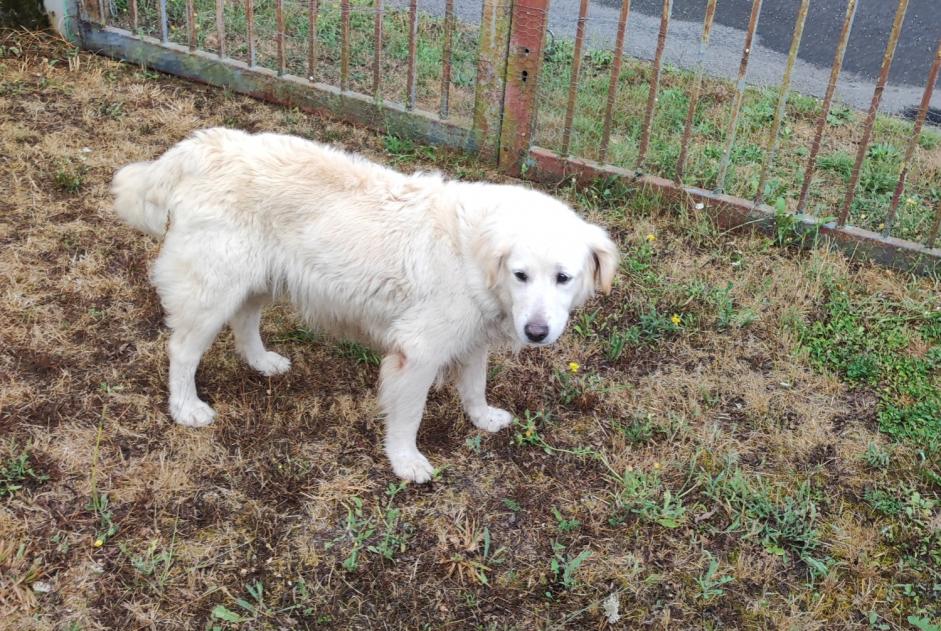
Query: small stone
42	587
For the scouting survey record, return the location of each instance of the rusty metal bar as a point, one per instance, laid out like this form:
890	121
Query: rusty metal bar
697	88
410	89
916	133
739	95
345	45
220	26
827	102
782	100
446	57
164	31
134	17
523	61
312	10
654	83
573	83
250	27
102	12
873	110
377	53
615	77
279	18
933	233
191	24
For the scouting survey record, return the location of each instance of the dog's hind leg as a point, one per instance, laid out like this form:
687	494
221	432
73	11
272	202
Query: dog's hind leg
245	326
403	388
472	385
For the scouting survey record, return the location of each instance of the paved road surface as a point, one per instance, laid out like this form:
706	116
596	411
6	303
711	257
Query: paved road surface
920	34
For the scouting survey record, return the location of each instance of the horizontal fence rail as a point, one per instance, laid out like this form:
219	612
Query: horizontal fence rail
542	107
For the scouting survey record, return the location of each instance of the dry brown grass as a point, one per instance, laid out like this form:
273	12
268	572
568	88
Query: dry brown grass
276	491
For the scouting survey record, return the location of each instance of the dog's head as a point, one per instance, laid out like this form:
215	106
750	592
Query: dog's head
542	260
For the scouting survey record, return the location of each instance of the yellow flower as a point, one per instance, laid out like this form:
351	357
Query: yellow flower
676	319
651	238
529	432
911	201
657	466
99	543
573	367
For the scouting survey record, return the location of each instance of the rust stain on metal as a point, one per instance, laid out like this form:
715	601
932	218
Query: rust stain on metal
446	55
220	26
697	88
913	142
411	86
279	18
933	233
134	17
873	110
313	7
827	102
162	9
191	24
739	94
527	35
654	83
345	45
491	67
782	100
573	83
250	30
377	52
615	76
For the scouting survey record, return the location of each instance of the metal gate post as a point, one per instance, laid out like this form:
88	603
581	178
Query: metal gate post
491	77
524	59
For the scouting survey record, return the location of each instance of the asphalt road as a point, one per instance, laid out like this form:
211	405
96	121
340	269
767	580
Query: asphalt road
920	33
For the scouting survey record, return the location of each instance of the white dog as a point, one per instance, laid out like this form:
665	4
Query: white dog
432	272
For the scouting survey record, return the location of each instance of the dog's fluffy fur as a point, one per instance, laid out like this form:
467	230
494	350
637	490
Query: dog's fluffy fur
432	272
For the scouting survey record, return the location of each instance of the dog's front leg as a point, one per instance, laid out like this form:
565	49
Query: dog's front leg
403	389
472	386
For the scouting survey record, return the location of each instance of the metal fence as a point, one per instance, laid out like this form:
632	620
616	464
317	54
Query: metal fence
483	87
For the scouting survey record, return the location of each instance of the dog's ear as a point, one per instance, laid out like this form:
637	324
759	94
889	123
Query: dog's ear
491	254
605	256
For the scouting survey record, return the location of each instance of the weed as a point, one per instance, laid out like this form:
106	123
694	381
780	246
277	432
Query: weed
17	471
564	525
359	528
394	537
876	457
69	177
840	115
644	495
711	582
564	567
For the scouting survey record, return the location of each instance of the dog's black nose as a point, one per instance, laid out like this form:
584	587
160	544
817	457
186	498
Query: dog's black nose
536	332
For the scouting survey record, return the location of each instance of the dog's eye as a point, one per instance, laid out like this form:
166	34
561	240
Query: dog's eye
521	276
562	278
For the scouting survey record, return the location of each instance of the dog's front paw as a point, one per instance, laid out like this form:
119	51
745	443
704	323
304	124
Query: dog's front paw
192	413
492	419
411	466
271	364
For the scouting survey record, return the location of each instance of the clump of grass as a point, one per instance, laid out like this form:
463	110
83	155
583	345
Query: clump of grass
69	177
17	472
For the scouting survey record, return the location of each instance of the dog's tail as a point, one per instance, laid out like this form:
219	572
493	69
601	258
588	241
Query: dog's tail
140	197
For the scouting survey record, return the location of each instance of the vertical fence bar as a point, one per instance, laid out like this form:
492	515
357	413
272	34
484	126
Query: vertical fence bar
526	38
279	18
827	102
654	83
164	31
312	10
913	142
697	88
344	45
412	54
446	56
134	17
739	95
220	26
191	25
492	53
873	110
573	83
782	100
377	53
104	10
933	233
615	77
250	28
